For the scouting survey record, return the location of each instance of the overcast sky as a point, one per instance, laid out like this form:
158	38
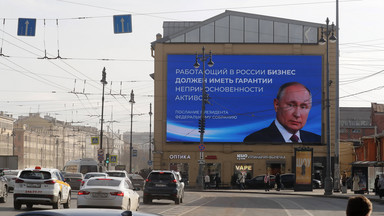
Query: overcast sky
81	33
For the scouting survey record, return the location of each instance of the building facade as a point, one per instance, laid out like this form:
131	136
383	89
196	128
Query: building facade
230	36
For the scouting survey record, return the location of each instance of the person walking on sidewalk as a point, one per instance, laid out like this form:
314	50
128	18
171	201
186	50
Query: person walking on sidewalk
207	181
242	181
278	181
359	206
377	185
356	180
267	181
381	186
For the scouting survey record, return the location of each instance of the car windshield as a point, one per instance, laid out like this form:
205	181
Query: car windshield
87	176
103	182
116	174
161	176
30	174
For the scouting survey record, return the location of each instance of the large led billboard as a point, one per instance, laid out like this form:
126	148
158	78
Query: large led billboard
242	91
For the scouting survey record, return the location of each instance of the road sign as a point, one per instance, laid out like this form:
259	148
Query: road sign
95	140
100	157
122	23
134	153
149	162
113	158
201	161
201	147
100	152
26	27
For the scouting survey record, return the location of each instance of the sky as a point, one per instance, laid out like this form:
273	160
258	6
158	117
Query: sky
57	72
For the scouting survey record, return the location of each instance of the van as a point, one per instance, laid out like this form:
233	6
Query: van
83	165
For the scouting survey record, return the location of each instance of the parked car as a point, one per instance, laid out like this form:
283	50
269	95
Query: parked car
41	186
75	180
258	182
288	181
3	188
112	192
84	212
163	184
11	176
137	180
90	175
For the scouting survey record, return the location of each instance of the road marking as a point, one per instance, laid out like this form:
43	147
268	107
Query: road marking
289	211
183	209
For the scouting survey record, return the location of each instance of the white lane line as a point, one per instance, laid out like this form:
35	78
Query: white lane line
287	211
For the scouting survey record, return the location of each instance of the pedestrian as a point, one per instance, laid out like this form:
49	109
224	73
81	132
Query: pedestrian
359	206
344	182
377	185
207	181
242	181
217	180
278	181
267	181
381	186
355	186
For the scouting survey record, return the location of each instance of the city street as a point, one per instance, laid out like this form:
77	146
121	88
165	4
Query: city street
235	203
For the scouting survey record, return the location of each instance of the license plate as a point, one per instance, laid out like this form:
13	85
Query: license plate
34	185
99	195
160	185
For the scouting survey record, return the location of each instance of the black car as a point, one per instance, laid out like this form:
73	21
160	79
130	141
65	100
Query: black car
258	182
163	184
288	181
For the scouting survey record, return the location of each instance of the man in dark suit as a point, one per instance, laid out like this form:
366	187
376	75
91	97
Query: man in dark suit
292	106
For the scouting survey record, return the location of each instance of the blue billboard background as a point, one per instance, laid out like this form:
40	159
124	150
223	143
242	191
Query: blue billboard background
241	90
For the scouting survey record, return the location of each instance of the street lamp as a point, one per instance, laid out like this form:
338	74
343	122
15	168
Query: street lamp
204	100
329	37
150	136
132	101
104	82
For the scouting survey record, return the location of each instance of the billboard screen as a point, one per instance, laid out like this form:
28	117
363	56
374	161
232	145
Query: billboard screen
241	91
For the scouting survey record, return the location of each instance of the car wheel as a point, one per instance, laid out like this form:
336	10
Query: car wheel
57	204
3	199
29	206
16	205
68	203
147	200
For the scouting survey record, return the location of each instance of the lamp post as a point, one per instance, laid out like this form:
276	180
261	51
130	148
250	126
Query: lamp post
329	37
104	82
150	136
204	100
132	101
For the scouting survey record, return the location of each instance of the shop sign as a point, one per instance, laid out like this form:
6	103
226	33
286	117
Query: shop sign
246	156
182	157
243	167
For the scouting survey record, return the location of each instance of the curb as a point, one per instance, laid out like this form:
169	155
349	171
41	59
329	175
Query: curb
336	195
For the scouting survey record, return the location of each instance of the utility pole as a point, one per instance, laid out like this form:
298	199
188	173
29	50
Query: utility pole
204	100
150	136
104	82
132	101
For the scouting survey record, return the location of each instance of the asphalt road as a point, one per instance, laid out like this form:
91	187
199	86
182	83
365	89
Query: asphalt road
232	203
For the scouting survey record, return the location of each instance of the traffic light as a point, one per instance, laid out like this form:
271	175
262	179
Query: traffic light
201	125
107	158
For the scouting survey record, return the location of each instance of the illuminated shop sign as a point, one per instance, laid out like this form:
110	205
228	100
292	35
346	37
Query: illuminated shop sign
245	167
246	156
182	157
241	91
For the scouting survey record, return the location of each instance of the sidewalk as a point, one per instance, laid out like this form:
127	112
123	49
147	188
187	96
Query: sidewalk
315	192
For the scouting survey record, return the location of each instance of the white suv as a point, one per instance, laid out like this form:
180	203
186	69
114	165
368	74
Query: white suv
41	186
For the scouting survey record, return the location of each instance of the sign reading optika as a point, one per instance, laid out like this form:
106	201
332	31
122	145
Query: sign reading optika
180	157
